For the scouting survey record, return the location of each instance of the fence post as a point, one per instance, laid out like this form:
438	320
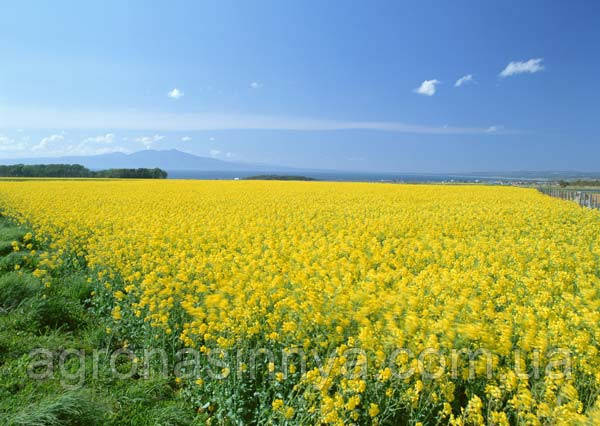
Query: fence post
589	199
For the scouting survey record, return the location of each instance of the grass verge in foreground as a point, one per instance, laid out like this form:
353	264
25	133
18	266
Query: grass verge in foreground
53	315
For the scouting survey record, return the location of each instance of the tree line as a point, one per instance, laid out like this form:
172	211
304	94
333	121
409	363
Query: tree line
77	170
278	177
579	182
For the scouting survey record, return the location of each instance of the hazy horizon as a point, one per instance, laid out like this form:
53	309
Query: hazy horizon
266	167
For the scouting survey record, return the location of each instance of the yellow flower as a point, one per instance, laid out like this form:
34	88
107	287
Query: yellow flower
288	413
499	418
116	313
344	274
277	404
385	374
353	402
373	410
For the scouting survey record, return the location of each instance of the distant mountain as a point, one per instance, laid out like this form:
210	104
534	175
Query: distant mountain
170	160
183	165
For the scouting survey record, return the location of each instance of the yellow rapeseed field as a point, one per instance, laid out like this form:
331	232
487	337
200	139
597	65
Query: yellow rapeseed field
366	303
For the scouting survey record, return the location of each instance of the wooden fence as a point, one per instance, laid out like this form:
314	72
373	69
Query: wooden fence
585	198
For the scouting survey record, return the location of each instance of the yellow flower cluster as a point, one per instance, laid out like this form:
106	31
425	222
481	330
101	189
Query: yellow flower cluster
490	296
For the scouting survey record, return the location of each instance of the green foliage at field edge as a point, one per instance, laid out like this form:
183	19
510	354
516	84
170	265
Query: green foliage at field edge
54	314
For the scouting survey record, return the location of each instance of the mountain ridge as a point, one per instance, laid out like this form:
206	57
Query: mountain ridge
171	159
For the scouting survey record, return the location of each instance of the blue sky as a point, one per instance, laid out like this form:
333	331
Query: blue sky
340	85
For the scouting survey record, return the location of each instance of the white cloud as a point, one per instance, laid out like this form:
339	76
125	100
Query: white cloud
229	154
8	144
108	150
494	129
143	121
531	66
5	140
40	146
107	138
211	139
214	152
148	141
45	141
83	148
427	88
175	94
464	80
255	85
47	149
186	139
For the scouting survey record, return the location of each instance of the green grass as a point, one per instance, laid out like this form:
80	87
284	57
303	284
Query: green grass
53	318
9	261
75	286
56	312
15	287
72	408
10	233
5	247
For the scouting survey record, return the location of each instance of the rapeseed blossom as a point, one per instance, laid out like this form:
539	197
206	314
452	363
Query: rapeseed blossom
377	280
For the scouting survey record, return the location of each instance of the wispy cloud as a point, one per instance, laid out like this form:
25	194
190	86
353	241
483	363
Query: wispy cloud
148	141
107	139
175	93
427	88
214	152
186	139
189	122
464	80
494	129
255	85
5	140
9	144
85	149
43	144
519	67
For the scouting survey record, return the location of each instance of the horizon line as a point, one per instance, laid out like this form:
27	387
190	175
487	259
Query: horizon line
490	174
